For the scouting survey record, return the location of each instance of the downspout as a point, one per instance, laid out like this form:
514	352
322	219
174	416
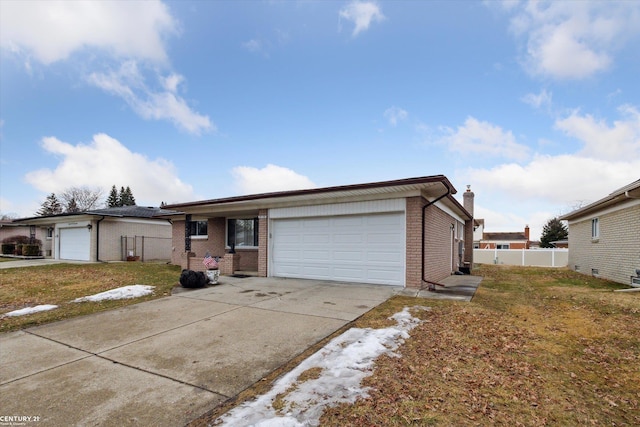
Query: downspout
98	238
431	283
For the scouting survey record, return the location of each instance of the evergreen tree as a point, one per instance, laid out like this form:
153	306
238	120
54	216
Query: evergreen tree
113	200
51	206
72	206
552	231
122	197
131	201
126	197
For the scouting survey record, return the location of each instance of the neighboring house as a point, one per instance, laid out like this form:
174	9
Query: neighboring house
504	240
604	237
109	234
405	232
8	228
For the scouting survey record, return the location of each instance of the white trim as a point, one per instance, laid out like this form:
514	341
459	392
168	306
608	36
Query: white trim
448	211
334	209
600	212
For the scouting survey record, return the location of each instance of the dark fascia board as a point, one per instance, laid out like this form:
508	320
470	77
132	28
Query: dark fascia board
264	198
631	191
314	191
48	219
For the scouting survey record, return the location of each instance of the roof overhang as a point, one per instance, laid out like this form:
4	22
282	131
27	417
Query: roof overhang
631	191
429	187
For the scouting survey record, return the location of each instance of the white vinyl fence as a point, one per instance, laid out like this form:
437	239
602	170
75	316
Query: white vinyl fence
523	257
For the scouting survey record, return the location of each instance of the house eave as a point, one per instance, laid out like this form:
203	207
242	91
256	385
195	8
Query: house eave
429	186
631	191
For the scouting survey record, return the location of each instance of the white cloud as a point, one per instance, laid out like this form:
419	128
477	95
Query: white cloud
271	178
129	84
51	31
395	115
569	40
105	162
561	180
362	14
621	141
484	138
541	100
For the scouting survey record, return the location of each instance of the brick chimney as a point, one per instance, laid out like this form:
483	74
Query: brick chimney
526	236
467	203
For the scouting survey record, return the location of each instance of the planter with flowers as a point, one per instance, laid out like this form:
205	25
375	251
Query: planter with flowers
211	264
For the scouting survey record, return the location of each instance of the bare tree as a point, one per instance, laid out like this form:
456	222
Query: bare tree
82	198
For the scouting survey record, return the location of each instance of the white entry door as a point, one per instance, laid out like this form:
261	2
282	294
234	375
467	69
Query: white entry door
75	243
348	248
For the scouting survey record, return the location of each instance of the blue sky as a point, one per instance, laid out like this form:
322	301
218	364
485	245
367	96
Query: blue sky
536	105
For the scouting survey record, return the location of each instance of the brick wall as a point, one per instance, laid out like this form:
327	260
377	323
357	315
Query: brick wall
616	253
413	269
214	243
263	243
437	251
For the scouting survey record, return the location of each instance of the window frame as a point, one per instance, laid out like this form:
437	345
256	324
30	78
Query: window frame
595	228
198	230
229	229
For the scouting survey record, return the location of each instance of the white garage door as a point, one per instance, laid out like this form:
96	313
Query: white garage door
350	248
75	243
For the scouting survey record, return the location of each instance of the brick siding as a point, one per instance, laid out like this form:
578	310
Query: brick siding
616	253
437	251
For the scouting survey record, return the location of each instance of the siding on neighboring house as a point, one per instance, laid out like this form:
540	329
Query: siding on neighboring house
112	231
615	254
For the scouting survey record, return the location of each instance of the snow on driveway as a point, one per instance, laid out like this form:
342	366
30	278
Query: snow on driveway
343	363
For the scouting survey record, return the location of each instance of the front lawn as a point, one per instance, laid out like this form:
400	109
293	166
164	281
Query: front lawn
536	346
59	284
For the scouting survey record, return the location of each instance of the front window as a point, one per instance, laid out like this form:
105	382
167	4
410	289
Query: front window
242	232
502	246
595	228
198	228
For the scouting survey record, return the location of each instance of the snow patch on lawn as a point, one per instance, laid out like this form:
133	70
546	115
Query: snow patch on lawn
344	362
125	292
30	310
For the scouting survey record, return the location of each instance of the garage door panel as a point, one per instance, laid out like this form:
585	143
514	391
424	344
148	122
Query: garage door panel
349	256
355	248
316	238
317	256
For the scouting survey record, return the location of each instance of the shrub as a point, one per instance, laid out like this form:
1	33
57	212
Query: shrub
30	250
8	248
17	239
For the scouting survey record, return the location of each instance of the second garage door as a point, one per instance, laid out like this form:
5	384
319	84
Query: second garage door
75	243
349	248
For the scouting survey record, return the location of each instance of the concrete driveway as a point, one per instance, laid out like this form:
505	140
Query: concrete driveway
166	362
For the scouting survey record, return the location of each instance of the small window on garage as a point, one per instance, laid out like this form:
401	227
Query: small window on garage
198	228
242	232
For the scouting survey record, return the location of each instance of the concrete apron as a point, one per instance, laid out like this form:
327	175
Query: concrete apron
167	361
